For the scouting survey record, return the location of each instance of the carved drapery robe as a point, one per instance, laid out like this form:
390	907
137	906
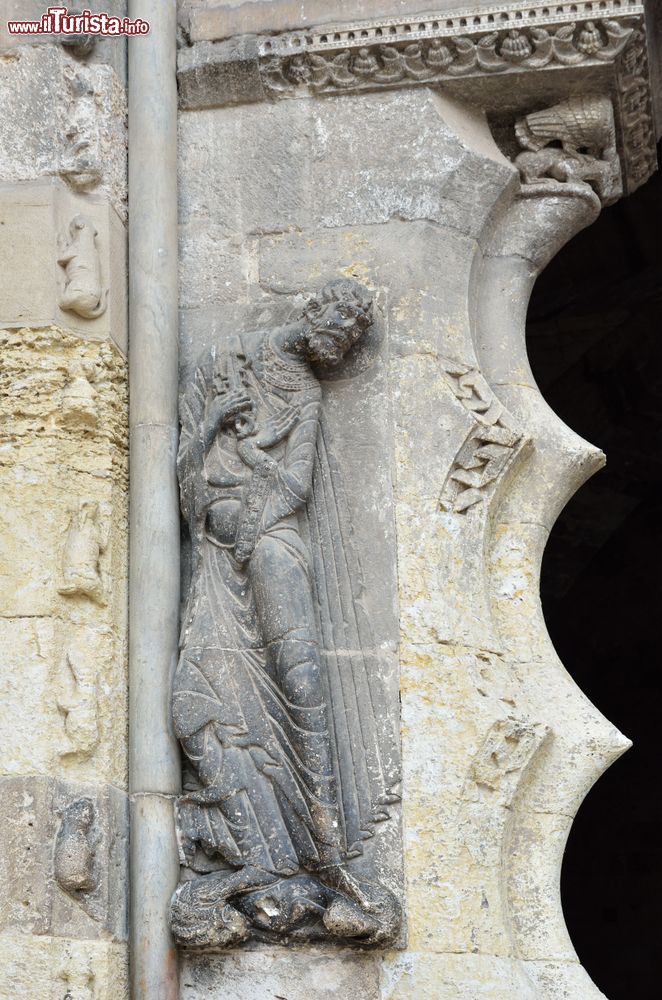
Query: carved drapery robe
283	750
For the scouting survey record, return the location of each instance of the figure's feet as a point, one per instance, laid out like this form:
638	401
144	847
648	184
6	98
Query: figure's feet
361	909
201	914
217	925
224	909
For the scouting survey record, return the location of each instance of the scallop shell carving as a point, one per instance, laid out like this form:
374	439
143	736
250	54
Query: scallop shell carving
577	123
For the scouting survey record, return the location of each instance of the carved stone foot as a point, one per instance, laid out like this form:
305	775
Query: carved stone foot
361	909
201	915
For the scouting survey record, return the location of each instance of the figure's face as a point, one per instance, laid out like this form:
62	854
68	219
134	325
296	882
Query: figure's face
334	330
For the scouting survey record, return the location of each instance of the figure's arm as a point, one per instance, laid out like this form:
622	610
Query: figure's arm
294	475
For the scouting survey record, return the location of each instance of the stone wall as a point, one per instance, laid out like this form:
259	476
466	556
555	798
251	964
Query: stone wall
457	468
63	525
303	158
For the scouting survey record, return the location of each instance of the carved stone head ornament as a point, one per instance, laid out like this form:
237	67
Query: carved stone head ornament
338	316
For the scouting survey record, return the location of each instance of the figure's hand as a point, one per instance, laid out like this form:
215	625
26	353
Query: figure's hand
225	408
277	428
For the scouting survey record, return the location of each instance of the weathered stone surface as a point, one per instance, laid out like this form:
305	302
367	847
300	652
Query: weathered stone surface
214	73
257	975
63	433
445	181
33	861
35	229
51	968
454	977
109	51
212	267
247	169
82	139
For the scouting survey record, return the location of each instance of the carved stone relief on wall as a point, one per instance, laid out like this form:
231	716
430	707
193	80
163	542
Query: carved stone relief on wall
572	143
84	543
285	772
83	291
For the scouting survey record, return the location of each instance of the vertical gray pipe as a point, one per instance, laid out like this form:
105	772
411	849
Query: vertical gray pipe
154	772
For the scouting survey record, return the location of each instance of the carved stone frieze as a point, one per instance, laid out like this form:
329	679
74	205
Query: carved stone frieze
286	775
391	59
489	448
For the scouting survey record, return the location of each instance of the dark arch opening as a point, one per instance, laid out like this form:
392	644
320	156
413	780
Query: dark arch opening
594	334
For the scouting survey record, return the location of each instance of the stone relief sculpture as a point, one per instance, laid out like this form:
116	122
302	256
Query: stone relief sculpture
285	773
83	293
75	848
582	129
81	573
490	447
77	700
78	402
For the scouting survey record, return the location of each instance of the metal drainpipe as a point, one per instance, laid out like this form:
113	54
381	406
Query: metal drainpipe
154	768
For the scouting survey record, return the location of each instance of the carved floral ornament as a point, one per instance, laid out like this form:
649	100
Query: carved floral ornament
433	59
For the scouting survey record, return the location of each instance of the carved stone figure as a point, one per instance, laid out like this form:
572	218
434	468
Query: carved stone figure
582	129
82	550
285	776
79	397
83	293
75	848
77	700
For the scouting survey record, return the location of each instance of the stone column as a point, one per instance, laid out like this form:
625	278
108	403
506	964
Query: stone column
154	531
63	523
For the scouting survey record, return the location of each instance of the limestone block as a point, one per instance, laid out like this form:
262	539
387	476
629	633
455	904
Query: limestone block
445	181
453	977
423	317
212	268
329	975
245	170
35	228
64	408
61	118
64	692
63	555
51	967
33	900
461	773
213	73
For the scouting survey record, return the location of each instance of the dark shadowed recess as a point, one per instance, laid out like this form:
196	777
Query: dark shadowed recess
594	340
